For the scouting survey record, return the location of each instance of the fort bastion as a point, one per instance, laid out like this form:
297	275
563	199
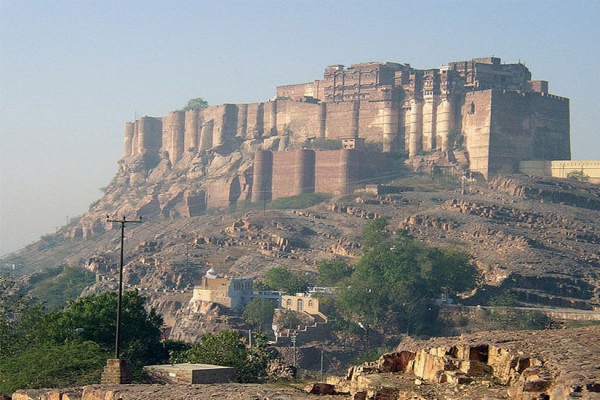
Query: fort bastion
482	115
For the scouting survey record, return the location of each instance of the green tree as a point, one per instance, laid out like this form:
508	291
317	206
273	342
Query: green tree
55	290
332	271
395	282
281	278
578	176
374	232
197	103
259	312
96	316
228	349
69	347
73	363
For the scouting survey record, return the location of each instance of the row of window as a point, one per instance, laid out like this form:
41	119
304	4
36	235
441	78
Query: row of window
299	304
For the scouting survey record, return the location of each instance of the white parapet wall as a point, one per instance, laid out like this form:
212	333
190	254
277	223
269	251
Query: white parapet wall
562	168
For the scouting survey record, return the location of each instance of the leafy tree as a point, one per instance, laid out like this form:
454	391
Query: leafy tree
281	278
504	299
55	290
42	365
197	103
96	315
259	312
395	281
228	349
20	319
374	232
332	271
70	347
578	176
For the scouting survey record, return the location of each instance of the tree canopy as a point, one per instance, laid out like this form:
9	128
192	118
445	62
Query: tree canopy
332	271
396	280
281	278
196	103
259	312
70	347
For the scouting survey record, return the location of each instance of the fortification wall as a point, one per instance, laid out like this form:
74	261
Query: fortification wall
504	116
223	192
193	123
269	118
262	176
284	174
147	135
551	127
561	168
476	125
511	139
303	119
527	126
255	121
370	121
328	172
296	91
341	120
173	129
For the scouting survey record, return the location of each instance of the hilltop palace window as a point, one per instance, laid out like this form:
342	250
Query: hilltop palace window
472	108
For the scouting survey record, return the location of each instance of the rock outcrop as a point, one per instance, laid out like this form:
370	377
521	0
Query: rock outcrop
523	365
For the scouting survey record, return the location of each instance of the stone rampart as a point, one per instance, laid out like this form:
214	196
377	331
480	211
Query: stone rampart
494	110
562	168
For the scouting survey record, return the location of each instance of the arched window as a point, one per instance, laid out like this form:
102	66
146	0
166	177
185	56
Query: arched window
472	108
288	303
299	305
310	303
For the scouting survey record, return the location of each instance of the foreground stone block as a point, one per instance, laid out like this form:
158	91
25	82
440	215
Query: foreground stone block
116	372
320	388
189	373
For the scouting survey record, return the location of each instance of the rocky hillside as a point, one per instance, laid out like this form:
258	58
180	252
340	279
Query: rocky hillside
538	237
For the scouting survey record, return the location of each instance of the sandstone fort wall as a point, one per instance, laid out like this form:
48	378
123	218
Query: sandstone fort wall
503	117
561	168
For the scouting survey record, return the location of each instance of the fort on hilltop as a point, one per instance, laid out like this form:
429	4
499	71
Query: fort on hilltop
483	115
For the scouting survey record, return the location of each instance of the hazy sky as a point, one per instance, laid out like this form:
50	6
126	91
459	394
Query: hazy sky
73	72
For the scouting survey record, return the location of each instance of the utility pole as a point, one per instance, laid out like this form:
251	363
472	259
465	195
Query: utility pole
322	351
122	222
293	335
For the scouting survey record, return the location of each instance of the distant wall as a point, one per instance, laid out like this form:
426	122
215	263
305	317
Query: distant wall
560	169
476	125
291	173
502	128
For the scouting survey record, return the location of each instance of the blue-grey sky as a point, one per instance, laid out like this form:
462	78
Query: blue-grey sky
73	72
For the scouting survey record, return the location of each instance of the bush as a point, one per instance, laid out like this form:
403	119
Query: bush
323	144
300	201
74	363
281	278
58	285
228	349
197	103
